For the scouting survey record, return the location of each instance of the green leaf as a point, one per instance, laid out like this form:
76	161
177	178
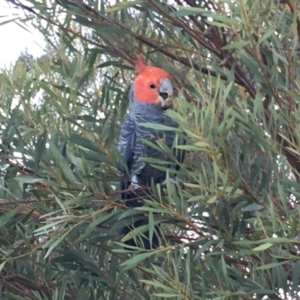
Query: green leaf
61	161
28	179
83	142
253	207
158	126
272	265
213	199
263	247
54	243
5	218
202	144
122	5
236	45
2	265
134	261
267	34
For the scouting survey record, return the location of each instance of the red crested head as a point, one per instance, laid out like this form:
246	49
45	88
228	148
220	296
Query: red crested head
152	85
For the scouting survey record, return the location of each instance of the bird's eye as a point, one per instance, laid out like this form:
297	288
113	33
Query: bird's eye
152	86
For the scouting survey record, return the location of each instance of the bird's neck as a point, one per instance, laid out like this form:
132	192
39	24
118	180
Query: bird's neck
146	111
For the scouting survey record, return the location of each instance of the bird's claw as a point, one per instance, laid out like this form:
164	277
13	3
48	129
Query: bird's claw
134	184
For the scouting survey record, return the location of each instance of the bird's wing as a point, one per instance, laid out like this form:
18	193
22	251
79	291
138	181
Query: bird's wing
180	153
126	144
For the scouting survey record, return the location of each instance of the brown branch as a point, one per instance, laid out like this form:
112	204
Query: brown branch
292	11
193	18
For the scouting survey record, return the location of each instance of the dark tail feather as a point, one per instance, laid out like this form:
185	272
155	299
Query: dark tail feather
142	240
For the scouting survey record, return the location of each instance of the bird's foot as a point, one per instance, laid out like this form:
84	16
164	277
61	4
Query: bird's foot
134	184
134	187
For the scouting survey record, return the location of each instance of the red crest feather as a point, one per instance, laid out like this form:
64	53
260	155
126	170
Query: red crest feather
140	66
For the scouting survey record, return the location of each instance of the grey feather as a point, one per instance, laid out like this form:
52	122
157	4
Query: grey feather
132	148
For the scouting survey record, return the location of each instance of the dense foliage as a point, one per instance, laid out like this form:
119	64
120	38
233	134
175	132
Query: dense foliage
230	228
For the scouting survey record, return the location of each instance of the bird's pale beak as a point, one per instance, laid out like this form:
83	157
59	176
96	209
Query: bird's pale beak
165	93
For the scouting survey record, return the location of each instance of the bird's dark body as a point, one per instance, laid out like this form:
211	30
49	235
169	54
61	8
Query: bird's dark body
132	148
144	171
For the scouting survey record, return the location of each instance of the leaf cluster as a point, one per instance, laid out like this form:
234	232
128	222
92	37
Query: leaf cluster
230	227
